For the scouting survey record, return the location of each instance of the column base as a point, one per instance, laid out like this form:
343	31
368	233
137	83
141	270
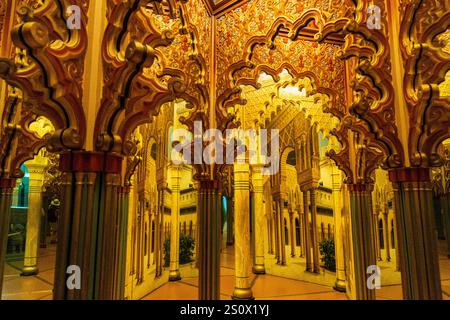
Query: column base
174	275
340	286
259	269
29	271
242	294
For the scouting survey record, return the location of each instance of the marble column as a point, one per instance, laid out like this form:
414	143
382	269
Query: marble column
32	238
276	227
282	239
309	264
270	234
209	212
242	289
257	181
387	238
159	251
446	215
230	227
292	238
6	191
376	235
362	238
124	202
88	234
341	278
174	271
397	254
417	241
301	218
314	240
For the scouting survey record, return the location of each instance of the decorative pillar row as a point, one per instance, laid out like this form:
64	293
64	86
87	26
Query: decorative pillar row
89	231
6	191
363	246
242	289
309	265
174	272
417	241
209	215
258	190
32	238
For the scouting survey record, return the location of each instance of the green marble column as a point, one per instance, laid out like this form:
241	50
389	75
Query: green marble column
363	244
6	191
209	215
417	241
89	227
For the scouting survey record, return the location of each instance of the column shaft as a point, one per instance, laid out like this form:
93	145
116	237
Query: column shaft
174	272
309	265
276	225
230	227
6	191
341	277
314	242
387	237
291	221
282	239
259	211
33	218
363	247
242	289
209	212
89	227
417	242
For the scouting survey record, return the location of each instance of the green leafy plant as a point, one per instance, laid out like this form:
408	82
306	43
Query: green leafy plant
187	244
327	252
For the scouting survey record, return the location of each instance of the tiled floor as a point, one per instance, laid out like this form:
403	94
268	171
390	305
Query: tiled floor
265	287
39	287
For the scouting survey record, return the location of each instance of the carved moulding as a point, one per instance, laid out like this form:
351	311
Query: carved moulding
359	158
139	78
426	64
246	71
52	83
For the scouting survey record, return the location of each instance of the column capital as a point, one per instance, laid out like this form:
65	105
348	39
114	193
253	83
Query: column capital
360	187
87	161
409	175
